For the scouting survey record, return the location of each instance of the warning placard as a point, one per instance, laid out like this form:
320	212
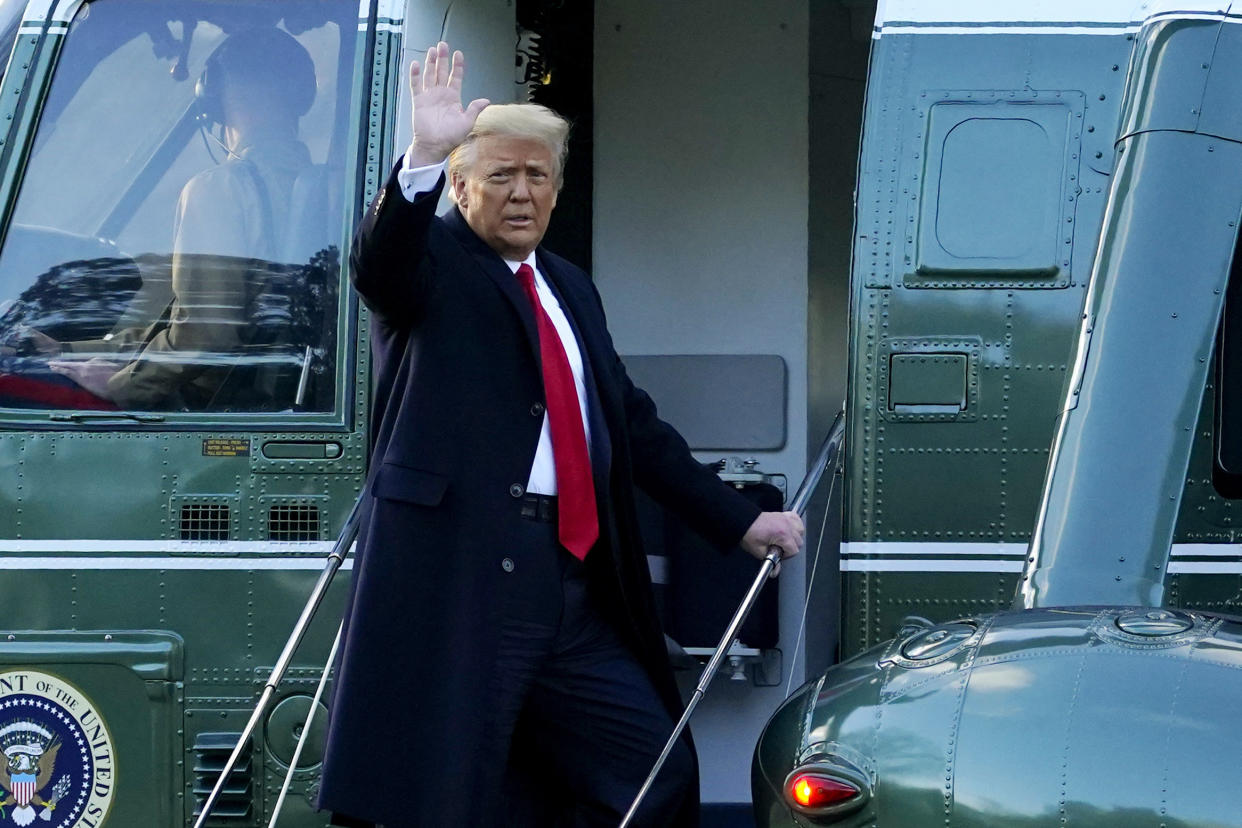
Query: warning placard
226	447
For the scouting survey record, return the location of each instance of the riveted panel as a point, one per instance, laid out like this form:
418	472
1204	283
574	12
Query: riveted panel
927	381
940	494
882	207
1172	63
880	601
996	189
933	379
972	476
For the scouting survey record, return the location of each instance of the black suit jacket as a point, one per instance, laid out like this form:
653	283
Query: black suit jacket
455	424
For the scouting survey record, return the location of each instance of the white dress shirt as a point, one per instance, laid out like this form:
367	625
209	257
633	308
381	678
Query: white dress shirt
417	180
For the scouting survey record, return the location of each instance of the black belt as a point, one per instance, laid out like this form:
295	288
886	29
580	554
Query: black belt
539	507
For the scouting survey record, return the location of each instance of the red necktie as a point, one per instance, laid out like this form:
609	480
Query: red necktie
578	523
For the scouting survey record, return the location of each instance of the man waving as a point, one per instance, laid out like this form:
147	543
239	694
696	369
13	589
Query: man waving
503	663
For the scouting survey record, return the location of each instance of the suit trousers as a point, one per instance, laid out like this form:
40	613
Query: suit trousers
575	723
583	722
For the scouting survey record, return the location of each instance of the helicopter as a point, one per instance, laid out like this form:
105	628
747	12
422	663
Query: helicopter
155	555
159	539
1050	207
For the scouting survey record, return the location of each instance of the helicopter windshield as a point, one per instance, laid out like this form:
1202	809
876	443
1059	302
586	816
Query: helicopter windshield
175	242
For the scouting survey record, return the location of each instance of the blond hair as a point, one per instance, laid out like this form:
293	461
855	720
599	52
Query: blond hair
516	120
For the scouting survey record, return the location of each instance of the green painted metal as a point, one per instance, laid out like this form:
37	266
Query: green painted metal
170	639
25	84
972	476
1146	343
1037	718
1085	704
975	476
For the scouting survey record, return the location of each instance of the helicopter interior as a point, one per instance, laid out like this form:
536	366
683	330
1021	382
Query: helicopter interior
179	216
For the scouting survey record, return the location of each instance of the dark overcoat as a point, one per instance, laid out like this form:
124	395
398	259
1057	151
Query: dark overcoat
458	408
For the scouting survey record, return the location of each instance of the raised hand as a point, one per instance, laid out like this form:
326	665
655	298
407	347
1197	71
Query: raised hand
440	122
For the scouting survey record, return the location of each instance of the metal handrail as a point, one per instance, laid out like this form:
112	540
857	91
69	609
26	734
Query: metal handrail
339	551
828	452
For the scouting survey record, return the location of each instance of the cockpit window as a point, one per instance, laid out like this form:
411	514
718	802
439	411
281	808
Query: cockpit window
175	245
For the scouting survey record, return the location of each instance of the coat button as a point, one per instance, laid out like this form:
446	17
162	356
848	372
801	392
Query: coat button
517	490
536	410
507	564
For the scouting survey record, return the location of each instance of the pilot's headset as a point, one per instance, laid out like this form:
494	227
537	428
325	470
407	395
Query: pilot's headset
262	55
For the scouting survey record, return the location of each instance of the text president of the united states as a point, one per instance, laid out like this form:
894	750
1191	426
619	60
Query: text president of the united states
503	664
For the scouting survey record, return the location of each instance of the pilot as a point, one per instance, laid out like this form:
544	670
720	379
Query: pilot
255	86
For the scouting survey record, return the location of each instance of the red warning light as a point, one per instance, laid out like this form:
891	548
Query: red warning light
814	790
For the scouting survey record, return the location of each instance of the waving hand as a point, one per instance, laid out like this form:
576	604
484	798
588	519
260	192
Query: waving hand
440	122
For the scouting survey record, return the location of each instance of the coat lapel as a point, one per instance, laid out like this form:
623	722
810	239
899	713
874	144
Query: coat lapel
496	269
577	309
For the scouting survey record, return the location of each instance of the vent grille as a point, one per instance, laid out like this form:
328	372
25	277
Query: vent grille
293	523
211	753
204	521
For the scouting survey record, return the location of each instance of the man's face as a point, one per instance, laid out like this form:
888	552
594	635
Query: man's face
507	195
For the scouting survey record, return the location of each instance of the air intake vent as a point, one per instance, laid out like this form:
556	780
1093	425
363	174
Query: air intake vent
293	523
204	521
211	753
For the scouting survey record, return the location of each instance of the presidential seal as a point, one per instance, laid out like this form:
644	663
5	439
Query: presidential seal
57	768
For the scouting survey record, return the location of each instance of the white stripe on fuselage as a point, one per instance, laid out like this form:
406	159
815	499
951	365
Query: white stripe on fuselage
64	554
941	556
856	556
164	564
929	565
185	547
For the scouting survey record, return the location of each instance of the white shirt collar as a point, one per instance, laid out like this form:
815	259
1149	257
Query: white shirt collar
530	260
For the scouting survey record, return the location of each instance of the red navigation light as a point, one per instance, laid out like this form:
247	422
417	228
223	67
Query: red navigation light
815	790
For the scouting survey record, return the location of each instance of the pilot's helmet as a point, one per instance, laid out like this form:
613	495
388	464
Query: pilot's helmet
268	61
